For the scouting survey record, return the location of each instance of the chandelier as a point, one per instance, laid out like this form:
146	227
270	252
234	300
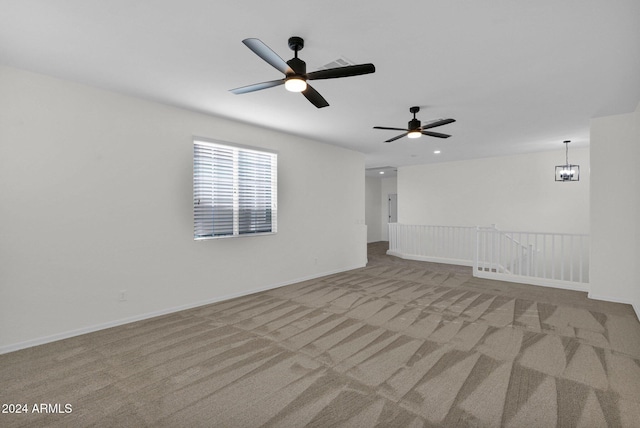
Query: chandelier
567	172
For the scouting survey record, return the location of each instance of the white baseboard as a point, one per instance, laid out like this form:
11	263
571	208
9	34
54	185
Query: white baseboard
541	282
459	262
102	326
566	285
635	306
608	298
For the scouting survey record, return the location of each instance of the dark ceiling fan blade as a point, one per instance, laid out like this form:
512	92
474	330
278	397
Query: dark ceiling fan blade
257	86
349	70
265	52
435	134
437	123
390	129
396	138
315	97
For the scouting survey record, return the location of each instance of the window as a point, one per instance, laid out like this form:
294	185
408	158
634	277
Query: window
234	190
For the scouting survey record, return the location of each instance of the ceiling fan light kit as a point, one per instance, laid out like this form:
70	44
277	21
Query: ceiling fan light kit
295	71
295	84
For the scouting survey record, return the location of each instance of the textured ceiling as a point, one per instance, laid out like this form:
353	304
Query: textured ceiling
517	76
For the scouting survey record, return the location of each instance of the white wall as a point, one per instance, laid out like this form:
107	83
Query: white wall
615	209
372	209
377	208
388	186
96	197
513	192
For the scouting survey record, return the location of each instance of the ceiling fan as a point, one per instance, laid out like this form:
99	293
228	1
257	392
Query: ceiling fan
415	130
295	71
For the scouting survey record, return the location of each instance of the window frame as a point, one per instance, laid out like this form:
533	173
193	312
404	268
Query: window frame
239	188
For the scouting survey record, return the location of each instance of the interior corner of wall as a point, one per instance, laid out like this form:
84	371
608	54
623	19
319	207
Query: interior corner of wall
636	308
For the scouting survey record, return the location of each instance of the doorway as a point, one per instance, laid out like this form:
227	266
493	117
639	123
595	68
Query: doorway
393	208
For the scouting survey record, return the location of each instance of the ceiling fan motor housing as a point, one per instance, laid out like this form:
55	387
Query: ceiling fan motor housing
296	43
298	66
414	124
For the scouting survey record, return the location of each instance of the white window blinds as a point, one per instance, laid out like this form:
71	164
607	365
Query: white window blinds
234	190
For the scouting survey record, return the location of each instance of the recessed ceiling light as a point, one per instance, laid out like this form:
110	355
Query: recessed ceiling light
381	172
437	152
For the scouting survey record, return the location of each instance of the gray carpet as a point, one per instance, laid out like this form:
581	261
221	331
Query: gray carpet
396	344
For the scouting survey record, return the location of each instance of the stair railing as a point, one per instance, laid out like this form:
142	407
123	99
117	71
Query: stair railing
549	259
